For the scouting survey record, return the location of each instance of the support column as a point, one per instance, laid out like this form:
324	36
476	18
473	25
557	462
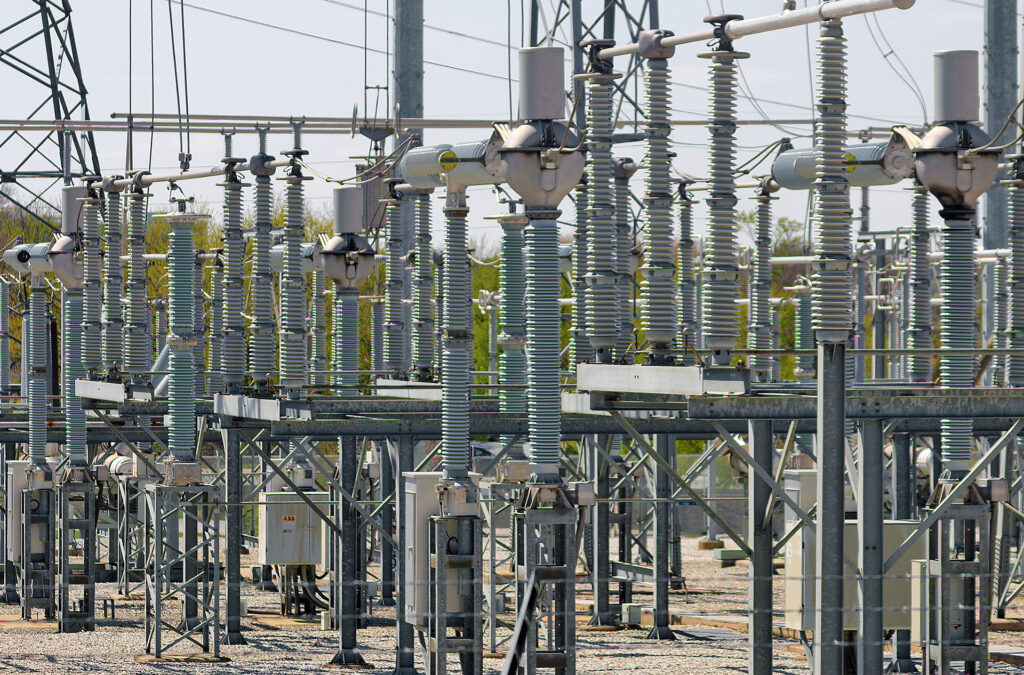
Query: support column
869	531
233	541
759	538
665	445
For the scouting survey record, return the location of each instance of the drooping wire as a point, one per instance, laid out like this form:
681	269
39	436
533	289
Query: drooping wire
886	52
128	150
177	91
509	53
184	73
152	79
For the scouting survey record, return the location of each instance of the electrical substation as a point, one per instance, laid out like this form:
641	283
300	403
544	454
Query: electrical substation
654	431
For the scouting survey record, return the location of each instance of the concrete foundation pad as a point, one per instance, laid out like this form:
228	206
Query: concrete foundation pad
180	658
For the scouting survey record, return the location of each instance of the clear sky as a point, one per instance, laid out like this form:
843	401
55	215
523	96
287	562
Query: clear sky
305	57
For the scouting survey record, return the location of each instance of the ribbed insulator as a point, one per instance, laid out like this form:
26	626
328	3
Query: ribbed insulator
1015	325
346	338
161	327
232	361
262	343
720	321
624	264
408	241
181	385
921	290
602	316
903	330
38	341
803	334
688	306
377	337
582	351
857	365
1001	297
959	334
423	324
458	343
73	368
759	327
199	332
318	330
394	314
776	342
138	342
292	335
214	374
92	289
658	315
5	337
512	318
832	293
113	286
542	344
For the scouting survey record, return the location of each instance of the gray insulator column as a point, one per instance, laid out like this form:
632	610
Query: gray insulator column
92	269
394	312
624	170
721	289
457	341
602	315
199	332
215	357
542	344
1001	296
832	314
5	337
581	349
959	332
138	343
377	330
512	360
113	286
72	368
292	333
181	396
759	332
689	327
232	363
803	334
318	330
920	290
38	371
262	343
345	336
423	324
1015	327
658	315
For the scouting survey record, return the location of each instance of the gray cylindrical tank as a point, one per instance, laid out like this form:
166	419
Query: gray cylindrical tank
956	86
868	164
541	83
465	163
71	207
348	210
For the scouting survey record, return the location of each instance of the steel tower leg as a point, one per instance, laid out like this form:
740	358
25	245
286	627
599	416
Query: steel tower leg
759	538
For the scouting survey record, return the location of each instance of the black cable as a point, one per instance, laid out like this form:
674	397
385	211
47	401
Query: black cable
914	89
509	52
152	80
174	60
184	66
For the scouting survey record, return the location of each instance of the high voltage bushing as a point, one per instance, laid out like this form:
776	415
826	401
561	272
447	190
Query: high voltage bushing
624	168
317	331
199	331
92	264
5	341
803	333
720	288
181	389
232	362
1015	322
920	289
214	374
582	351
292	333
512	360
457	340
832	293
37	373
602	317
658	314
759	334
262	341
423	324
138	344
394	311
1001	297
689	327
113	283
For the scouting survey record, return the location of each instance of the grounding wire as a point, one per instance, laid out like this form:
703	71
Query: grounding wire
911	82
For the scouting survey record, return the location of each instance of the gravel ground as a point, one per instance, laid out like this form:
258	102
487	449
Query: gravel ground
305	648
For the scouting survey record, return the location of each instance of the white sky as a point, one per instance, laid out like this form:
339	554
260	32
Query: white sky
237	67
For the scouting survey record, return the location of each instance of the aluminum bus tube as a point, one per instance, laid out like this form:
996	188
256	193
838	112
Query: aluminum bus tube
742	27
